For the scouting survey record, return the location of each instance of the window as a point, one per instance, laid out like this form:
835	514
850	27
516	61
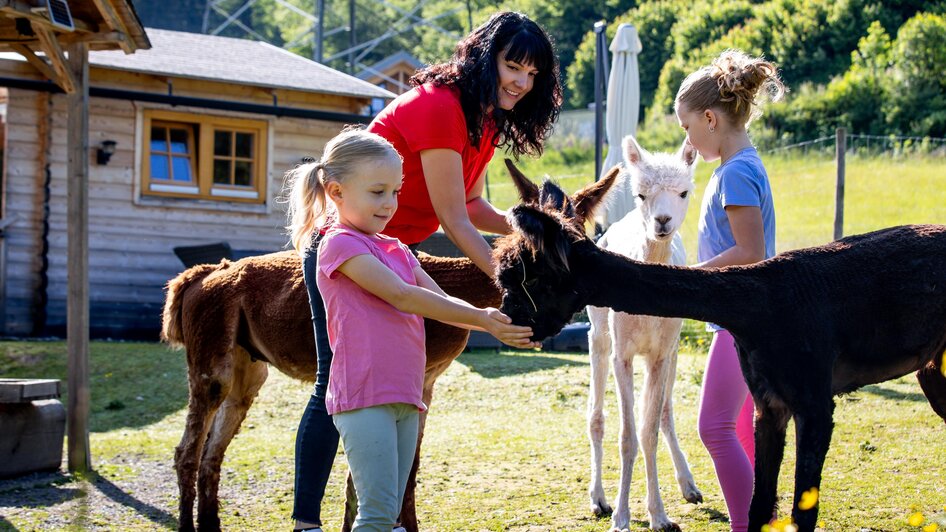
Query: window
204	157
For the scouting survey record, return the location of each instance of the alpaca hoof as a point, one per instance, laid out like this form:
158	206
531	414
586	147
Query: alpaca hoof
669	527
693	495
601	508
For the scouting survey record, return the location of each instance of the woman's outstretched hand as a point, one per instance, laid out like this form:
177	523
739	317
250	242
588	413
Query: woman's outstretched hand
500	326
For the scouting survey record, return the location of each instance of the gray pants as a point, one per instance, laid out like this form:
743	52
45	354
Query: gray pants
379	443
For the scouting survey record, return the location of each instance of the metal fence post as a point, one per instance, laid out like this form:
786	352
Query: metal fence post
600	79
840	147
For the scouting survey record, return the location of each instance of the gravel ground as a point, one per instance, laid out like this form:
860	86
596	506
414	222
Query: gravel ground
134	494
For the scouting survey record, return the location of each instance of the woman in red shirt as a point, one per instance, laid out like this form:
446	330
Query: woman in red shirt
500	89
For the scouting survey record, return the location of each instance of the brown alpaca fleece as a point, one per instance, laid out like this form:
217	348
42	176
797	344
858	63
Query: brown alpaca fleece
235	319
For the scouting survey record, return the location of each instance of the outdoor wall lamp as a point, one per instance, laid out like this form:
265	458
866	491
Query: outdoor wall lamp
105	151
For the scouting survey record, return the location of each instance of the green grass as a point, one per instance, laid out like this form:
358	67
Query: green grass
505	449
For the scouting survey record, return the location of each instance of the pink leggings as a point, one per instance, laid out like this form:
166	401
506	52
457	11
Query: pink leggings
725	425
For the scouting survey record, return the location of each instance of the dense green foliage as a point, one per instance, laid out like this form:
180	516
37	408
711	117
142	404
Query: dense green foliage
874	66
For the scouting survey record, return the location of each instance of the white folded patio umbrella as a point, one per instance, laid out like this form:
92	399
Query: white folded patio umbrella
621	115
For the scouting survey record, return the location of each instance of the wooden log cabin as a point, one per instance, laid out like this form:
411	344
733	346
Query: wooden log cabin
189	144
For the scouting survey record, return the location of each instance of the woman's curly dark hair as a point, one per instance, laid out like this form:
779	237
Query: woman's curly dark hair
472	70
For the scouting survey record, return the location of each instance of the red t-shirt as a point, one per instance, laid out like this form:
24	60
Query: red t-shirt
428	117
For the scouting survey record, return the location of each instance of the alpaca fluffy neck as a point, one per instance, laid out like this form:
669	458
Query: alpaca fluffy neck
725	297
658	252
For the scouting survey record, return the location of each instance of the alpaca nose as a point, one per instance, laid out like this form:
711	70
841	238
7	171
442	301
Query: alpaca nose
663	220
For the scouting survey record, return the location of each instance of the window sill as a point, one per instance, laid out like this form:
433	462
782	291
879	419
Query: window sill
202	204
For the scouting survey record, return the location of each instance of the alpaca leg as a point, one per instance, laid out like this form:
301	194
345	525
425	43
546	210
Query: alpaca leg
624	378
933	382
653	401
680	465
769	449
600	346
351	504
205	397
813	427
247	379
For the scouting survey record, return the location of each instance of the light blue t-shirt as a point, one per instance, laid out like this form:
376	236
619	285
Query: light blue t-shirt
740	181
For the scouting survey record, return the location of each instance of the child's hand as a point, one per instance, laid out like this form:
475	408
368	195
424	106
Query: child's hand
500	326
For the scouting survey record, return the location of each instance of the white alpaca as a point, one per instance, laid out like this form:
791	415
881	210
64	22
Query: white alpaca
662	184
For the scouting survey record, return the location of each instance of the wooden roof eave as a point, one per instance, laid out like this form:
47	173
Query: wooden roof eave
122	19
119	27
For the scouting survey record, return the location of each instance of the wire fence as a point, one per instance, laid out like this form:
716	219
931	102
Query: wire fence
867	146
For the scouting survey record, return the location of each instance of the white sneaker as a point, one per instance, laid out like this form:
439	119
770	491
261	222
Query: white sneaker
399	529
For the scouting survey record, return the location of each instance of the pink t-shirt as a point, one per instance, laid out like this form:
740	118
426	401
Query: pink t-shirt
379	351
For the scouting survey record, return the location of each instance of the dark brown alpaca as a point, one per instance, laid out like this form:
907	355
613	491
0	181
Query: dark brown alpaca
235	319
809	324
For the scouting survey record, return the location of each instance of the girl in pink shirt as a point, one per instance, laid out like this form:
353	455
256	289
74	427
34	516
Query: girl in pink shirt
375	295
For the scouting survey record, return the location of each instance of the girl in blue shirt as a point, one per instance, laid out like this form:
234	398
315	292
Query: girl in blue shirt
737	226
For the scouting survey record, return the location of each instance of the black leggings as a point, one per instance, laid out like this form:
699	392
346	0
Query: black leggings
317	437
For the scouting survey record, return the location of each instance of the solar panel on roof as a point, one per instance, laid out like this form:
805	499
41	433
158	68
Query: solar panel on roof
59	15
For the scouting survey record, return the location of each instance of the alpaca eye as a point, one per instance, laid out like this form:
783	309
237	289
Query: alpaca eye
529	283
684	194
641	196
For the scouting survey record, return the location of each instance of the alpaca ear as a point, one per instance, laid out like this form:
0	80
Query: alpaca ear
528	192
528	222
687	153
586	199
542	234
633	153
552	196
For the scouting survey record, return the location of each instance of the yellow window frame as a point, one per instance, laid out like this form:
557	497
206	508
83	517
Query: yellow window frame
203	127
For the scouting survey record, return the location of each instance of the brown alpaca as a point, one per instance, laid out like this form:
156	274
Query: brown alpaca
235	319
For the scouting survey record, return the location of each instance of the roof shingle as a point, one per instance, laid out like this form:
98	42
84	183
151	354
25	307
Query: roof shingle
210	57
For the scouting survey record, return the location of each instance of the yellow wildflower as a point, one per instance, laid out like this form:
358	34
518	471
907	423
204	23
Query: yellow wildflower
932	527
808	499
916	519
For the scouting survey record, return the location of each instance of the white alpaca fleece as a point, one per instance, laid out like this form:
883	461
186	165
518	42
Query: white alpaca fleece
645	173
661	184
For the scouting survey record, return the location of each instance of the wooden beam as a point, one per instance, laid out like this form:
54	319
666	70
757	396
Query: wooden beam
114	22
35	60
94	38
19	8
50	44
77	300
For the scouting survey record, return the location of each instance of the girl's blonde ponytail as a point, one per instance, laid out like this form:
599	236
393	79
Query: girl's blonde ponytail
307	203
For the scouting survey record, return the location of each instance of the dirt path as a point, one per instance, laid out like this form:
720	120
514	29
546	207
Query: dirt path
137	494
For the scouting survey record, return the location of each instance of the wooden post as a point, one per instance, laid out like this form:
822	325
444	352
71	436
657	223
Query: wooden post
77	298
840	147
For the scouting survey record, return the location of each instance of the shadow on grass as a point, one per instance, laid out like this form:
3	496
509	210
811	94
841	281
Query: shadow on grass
888	393
37	490
491	365
44	490
713	515
133	384
154	514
